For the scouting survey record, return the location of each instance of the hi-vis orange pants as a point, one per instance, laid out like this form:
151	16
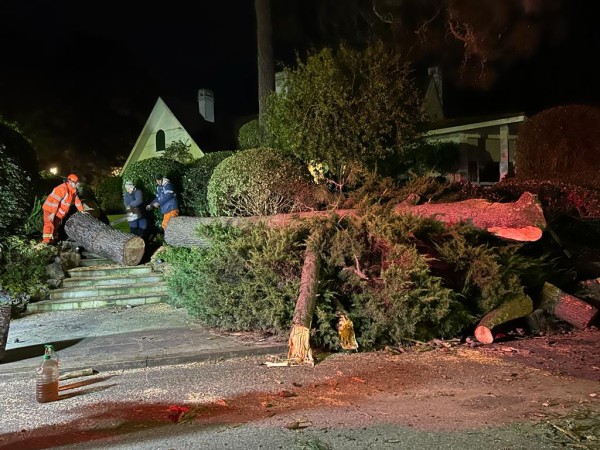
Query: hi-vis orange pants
168	216
50	230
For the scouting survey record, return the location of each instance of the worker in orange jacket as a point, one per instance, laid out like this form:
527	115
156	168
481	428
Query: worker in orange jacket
57	205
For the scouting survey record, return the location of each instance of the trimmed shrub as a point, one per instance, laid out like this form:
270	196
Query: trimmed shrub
195	181
250	135
561	144
260	181
110	194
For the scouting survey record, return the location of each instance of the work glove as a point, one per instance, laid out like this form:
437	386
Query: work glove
51	216
148	208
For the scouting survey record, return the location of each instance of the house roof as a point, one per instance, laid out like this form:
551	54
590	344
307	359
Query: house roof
469	123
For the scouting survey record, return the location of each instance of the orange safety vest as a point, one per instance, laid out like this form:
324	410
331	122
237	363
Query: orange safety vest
60	199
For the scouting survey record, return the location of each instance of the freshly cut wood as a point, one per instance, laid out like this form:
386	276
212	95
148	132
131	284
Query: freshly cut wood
299	351
522	220
514	308
567	307
101	239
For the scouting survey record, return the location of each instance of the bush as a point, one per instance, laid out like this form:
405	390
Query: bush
20	149
17	194
23	268
259	181
561	144
179	151
196	178
110	194
347	109
250	136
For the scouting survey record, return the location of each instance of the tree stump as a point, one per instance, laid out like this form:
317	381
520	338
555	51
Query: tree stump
514	308
105	241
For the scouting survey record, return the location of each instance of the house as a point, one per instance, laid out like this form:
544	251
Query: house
487	144
163	127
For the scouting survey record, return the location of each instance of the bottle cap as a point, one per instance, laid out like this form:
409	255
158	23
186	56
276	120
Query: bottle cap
47	357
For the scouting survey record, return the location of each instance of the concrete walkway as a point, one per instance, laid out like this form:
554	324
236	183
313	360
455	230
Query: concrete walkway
122	338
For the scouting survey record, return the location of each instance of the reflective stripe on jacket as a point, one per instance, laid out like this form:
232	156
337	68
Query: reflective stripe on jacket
60	199
166	197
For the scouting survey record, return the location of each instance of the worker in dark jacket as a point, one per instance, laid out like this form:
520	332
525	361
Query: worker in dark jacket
166	200
133	200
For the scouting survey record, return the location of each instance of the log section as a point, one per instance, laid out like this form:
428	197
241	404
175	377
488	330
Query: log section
567	307
105	241
514	308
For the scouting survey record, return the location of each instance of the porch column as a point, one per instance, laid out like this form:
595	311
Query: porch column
503	151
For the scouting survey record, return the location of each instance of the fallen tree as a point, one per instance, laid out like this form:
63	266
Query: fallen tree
105	241
522	220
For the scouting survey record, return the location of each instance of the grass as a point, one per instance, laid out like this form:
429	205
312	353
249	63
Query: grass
123	226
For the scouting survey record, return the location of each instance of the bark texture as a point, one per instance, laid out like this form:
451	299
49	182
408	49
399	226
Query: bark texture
5	311
567	307
522	220
514	308
299	351
101	239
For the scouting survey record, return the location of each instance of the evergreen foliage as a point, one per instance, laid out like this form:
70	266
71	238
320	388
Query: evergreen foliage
347	109
396	276
260	181
251	136
179	151
196	178
23	269
18	194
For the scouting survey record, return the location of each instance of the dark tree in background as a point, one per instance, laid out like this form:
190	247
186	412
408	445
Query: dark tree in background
266	66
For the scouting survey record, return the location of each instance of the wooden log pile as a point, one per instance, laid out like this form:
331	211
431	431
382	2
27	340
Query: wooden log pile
105	241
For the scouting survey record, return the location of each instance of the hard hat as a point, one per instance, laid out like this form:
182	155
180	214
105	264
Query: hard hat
74	178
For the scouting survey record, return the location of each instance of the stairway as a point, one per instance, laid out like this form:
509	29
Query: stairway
101	283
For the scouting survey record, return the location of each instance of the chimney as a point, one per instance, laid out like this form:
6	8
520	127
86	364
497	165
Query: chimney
434	96
206	104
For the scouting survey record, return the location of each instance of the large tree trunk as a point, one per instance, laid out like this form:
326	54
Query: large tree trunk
105	241
522	220
567	307
514	308
299	351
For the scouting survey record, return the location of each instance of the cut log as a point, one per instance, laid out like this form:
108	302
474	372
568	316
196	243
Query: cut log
299	351
567	307
514	308
101	239
522	220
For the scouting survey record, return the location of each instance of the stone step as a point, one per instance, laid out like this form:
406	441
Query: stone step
92	262
109	271
69	283
108	290
95	302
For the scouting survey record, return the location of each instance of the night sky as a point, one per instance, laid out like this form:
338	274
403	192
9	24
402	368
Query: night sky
81	77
